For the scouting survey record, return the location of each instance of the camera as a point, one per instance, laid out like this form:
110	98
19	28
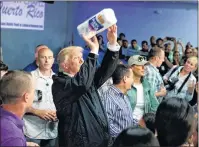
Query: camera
171	83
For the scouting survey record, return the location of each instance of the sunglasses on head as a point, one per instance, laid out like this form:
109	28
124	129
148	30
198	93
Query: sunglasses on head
141	58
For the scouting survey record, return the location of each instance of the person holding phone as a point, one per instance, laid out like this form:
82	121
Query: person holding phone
168	63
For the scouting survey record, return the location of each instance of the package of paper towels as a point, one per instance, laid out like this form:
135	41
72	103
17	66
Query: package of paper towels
97	23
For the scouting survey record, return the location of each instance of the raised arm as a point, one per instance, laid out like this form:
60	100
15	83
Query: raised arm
67	88
111	58
169	64
175	44
183	48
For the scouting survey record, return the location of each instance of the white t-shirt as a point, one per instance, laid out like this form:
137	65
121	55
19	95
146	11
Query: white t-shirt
139	107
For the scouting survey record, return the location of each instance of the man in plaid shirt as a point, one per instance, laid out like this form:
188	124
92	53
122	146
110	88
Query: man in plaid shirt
156	57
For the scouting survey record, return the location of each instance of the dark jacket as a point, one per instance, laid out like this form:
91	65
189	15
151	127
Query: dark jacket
82	119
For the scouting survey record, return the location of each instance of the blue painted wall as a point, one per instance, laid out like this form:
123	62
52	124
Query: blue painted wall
19	45
138	20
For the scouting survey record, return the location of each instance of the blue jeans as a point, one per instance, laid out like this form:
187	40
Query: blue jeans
43	142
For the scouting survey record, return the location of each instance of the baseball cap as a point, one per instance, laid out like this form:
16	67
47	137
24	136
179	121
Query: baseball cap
137	60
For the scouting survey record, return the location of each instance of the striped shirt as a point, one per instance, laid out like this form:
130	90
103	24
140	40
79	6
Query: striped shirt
103	89
118	109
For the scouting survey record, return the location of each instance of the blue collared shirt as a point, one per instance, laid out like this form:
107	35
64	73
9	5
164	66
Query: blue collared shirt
118	109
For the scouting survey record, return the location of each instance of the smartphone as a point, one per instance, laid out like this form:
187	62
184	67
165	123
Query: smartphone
38	95
170	39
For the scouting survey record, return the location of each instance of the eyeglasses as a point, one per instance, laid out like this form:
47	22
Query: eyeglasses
188	52
141	58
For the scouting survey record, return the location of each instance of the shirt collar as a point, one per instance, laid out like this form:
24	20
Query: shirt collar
117	91
39	74
12	117
68	74
155	68
145	84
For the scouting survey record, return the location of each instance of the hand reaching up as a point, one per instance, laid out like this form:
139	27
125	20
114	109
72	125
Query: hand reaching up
92	43
112	35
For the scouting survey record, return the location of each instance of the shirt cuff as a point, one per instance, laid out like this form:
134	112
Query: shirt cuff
113	48
94	52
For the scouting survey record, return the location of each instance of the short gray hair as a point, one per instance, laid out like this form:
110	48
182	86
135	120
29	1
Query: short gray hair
155	52
14	84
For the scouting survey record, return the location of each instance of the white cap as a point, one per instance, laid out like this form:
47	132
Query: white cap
137	60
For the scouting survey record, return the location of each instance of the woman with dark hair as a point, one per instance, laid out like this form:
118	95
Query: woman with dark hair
176	58
174	122
3	69
141	95
122	36
187	53
102	45
152	41
136	137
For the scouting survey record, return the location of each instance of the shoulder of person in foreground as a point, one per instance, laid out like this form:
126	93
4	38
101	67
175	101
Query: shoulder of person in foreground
13	142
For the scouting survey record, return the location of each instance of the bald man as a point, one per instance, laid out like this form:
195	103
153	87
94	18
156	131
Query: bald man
34	65
41	122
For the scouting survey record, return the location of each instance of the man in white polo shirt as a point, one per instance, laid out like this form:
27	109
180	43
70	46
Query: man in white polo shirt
41	122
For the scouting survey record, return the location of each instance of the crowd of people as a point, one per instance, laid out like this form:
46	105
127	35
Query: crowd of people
136	96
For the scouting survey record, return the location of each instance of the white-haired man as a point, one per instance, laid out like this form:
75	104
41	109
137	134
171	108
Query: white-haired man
82	119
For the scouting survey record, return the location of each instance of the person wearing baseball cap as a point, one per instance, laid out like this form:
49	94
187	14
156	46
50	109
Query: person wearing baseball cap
142	96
